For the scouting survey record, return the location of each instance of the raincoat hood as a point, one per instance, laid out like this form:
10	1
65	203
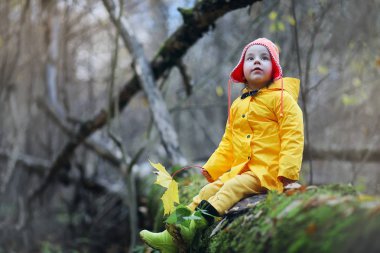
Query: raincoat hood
290	84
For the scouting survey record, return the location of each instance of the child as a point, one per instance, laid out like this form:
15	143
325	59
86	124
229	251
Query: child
261	148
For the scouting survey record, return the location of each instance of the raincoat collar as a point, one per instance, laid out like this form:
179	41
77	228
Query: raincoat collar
291	85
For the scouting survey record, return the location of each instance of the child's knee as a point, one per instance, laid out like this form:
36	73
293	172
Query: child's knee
210	189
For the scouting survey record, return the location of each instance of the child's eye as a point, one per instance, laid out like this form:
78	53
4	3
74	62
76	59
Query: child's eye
250	59
265	58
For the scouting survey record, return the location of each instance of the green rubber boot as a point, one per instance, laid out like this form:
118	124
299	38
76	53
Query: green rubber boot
184	236
175	238
161	241
178	238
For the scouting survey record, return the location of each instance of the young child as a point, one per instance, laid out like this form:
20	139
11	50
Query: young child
261	148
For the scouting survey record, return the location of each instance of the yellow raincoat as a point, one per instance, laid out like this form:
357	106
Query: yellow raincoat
258	138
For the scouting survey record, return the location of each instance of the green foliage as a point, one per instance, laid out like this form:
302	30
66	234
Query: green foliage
219	91
290	20
360	184
323	70
277	26
47	247
178	216
277	23
273	15
189	186
348	100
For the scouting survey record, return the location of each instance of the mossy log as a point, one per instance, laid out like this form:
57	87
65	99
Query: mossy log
332	218
323	219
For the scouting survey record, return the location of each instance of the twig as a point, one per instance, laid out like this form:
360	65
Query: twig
317	84
185	77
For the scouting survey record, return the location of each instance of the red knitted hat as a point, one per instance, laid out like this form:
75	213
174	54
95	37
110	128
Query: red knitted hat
237	74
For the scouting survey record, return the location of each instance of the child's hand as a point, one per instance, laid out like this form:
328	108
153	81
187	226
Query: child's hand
285	181
207	176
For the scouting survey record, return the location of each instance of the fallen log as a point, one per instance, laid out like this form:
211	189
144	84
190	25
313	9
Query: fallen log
331	218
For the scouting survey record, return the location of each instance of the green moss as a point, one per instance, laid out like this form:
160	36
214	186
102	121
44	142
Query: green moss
323	219
189	187
185	12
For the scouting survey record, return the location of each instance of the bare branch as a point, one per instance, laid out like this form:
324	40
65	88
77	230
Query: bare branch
185	77
52	33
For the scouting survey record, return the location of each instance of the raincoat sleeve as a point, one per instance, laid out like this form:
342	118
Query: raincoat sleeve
221	160
291	132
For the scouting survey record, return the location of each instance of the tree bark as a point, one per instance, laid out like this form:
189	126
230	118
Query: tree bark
51	69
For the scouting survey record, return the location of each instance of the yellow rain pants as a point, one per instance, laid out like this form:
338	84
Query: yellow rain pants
223	195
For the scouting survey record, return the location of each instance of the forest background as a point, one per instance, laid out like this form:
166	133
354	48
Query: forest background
92	90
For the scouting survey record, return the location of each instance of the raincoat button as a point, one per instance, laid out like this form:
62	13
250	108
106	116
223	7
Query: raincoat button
243	116
248	136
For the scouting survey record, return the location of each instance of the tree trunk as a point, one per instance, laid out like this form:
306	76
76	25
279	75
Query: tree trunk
142	68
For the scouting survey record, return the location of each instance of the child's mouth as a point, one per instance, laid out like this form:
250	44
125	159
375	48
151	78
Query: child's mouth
257	70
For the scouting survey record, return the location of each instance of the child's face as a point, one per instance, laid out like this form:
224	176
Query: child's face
257	67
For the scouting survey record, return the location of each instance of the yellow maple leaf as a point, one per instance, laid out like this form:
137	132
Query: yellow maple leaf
170	196
163	177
